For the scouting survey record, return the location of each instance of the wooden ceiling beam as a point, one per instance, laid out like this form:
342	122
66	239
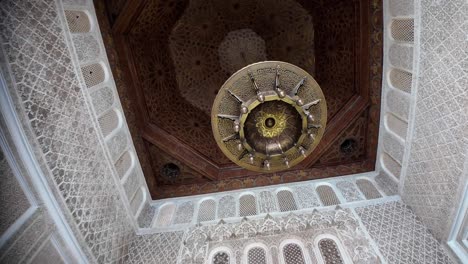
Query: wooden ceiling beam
127	16
180	151
355	106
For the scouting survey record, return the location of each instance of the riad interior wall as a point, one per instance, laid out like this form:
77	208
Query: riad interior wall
439	133
49	95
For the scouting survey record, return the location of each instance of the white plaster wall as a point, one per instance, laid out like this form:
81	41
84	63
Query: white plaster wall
45	100
397	94
103	98
431	179
28	232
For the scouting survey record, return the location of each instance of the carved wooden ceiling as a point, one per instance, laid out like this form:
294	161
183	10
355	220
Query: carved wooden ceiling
170	57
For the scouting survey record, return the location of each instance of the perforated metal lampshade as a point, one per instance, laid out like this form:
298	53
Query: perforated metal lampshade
269	116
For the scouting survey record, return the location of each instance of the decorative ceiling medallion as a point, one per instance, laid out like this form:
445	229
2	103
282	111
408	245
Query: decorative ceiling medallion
240	48
269	116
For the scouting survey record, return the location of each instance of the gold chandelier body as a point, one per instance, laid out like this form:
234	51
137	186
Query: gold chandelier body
269	116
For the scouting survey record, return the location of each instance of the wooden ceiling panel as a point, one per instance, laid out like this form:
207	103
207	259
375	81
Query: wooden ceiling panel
167	53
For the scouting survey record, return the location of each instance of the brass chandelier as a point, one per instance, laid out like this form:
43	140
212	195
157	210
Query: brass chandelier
269	116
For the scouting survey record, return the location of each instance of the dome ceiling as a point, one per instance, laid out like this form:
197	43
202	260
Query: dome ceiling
173	57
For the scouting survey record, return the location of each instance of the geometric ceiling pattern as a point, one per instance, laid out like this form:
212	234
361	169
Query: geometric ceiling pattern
211	41
171	57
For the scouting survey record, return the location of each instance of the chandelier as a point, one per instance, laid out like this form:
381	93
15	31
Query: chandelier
269	116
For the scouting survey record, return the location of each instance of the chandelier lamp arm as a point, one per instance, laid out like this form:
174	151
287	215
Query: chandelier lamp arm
235	96
298	85
260	96
279	91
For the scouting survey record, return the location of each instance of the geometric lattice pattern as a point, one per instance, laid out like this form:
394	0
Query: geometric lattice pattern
293	254
32	35
330	252
273	199
439	146
256	255
161	248
245	42
93	74
327	195
400	236
106	231
368	189
221	258
403	30
401	79
215	46
207	210
78	21
108	122
267	237
247	205
286	201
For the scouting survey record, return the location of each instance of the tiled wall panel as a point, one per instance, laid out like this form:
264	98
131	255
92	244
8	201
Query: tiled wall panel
400	236
13	200
440	135
48	91
160	248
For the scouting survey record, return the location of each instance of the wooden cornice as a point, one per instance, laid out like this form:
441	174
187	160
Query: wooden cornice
179	150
